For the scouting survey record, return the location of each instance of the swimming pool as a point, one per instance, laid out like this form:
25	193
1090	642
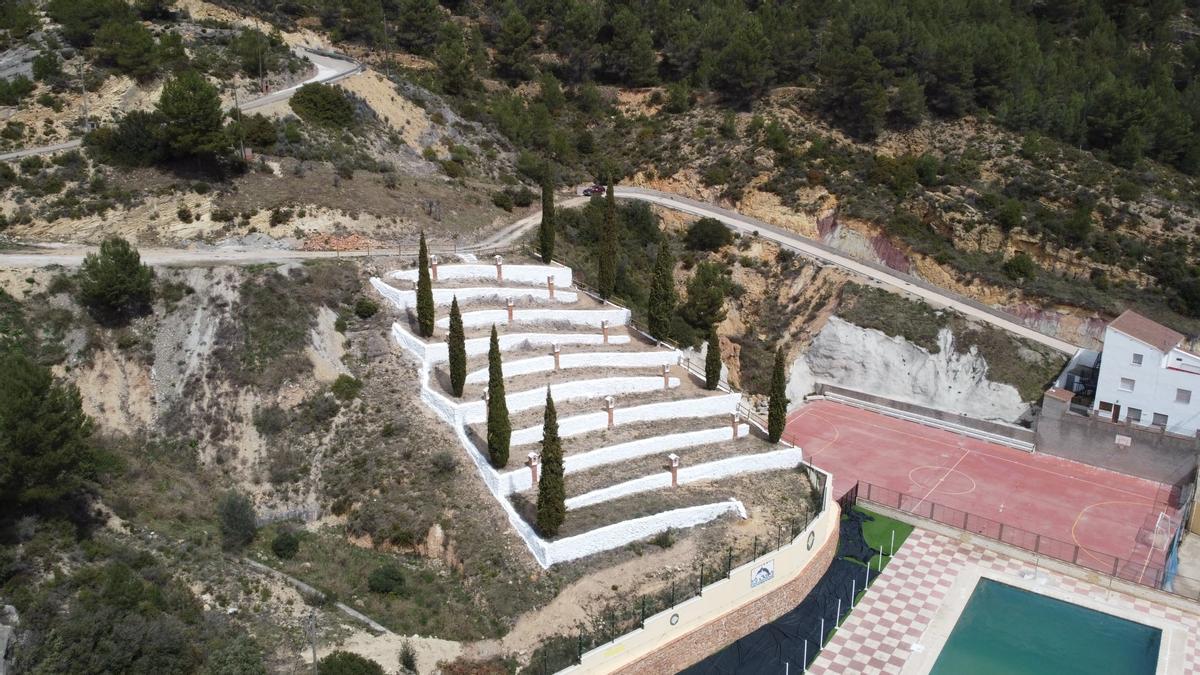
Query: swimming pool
1005	630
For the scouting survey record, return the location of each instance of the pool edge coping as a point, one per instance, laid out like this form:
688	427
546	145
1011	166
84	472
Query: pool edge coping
1171	650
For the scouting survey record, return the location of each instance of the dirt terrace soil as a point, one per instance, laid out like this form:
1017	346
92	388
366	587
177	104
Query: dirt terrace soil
770	498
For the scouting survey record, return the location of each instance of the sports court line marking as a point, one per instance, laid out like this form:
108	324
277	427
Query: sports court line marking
964	474
935	485
1002	459
1089	552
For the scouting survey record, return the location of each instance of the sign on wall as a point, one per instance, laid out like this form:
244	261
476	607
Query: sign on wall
763	574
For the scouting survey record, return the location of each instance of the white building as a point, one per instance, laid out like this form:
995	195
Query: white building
1147	378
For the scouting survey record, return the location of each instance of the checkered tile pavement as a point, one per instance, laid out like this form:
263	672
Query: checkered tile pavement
893	615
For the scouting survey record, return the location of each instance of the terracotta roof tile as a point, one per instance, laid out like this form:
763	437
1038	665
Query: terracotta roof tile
1152	333
1060	394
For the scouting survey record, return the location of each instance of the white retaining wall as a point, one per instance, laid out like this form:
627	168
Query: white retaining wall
430	353
575	317
519	480
539	364
476	411
769	461
444	296
521	274
620	534
707	406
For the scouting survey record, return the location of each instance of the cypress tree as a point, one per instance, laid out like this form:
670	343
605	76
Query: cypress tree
546	230
552	496
499	430
662	292
424	291
607	273
712	361
458	350
777	411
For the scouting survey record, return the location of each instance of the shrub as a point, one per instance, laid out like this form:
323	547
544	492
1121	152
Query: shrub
386	579
185	214
365	308
707	234
443	462
522	197
408	657
503	200
347	663
237	520
323	106
114	284
1020	267
285	545
270	420
346	387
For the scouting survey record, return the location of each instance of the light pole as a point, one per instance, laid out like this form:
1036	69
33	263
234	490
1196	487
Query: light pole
310	631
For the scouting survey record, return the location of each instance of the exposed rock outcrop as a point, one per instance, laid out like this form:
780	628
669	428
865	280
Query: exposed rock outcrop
868	360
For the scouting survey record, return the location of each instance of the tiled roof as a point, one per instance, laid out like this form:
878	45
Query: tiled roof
1152	333
1060	394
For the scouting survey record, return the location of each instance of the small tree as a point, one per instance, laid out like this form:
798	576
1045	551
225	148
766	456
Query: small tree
662	292
552	497
777	410
712	361
546	229
191	109
458	350
45	454
425	312
114	284
238	523
607	255
499	429
286	545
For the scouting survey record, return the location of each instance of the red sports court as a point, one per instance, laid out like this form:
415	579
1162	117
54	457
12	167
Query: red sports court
1074	512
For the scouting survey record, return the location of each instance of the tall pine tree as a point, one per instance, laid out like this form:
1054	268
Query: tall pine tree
458	350
546	229
499	429
712	361
424	292
777	410
552	495
607	255
662	292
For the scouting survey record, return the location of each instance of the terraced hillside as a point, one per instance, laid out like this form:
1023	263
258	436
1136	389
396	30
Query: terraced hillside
627	408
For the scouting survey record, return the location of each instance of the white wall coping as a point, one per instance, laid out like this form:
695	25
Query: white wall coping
540	364
574	317
522	274
574	425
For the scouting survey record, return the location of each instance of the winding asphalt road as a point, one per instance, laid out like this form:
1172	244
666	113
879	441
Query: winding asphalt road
330	68
72	256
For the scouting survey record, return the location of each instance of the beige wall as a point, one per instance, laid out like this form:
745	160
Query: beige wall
728	609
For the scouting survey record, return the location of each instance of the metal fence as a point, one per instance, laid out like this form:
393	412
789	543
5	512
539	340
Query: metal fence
625	615
1145	572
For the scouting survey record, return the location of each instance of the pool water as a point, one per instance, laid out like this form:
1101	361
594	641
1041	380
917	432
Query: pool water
1005	630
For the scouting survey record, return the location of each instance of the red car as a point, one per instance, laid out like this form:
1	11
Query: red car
593	190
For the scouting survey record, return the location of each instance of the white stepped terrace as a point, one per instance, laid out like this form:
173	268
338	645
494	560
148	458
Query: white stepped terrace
547	284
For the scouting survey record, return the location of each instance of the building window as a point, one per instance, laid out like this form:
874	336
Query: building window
1127	384
1135	415
1105	406
1183	396
1160	420
1137	359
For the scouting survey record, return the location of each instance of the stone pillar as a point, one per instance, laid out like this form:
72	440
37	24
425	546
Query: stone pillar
550	285
610	405
666	376
604	330
510	310
674	467
557	349
735	422
533	463
499	268
433	267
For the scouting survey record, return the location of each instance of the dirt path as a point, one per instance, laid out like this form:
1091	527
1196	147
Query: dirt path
567	609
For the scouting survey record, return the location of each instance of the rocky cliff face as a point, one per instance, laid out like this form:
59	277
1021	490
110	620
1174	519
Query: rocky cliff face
868	360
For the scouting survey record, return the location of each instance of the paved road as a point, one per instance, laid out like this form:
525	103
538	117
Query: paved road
329	69
815	249
69	256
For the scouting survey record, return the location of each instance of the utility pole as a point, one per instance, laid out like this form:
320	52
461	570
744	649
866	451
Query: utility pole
87	118
310	631
237	105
